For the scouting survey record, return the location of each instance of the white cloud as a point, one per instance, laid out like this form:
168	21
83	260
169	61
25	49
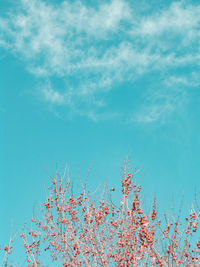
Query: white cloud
52	96
154	113
92	48
189	80
178	18
160	105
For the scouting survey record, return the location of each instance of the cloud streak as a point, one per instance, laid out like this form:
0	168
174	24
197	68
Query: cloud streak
93	48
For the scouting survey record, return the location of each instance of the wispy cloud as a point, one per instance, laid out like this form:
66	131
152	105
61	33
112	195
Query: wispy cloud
160	104
52	96
92	48
191	79
179	18
154	113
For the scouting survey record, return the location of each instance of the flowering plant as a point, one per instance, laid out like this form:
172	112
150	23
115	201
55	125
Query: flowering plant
75	231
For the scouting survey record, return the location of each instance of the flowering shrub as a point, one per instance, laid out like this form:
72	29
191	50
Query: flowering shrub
75	231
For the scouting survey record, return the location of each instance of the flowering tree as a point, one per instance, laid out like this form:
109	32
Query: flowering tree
76	231
7	250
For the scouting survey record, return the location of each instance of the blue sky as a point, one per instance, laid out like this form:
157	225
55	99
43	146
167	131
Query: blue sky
86	83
